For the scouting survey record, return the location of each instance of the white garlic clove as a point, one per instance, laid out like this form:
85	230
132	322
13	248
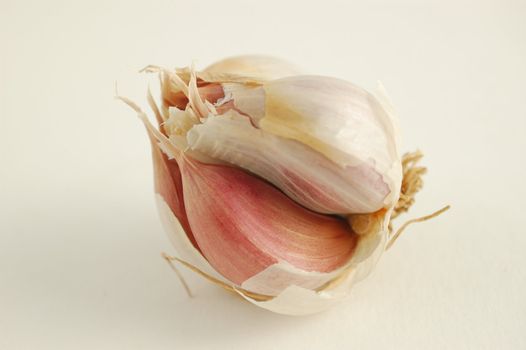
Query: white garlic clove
335	117
258	67
340	120
305	175
344	123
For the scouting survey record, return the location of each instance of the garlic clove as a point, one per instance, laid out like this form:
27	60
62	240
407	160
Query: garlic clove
338	119
258	67
186	250
305	175
333	116
297	300
349	127
243	225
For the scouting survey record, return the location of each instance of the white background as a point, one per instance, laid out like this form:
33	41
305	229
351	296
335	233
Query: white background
79	233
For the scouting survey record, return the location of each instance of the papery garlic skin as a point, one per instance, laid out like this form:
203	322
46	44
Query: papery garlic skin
222	146
268	228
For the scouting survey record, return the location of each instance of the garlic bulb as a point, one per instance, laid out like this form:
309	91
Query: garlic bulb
275	184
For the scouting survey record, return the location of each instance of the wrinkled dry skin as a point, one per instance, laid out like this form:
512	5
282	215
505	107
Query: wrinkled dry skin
256	198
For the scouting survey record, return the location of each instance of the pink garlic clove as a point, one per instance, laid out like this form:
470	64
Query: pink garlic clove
168	183
243	225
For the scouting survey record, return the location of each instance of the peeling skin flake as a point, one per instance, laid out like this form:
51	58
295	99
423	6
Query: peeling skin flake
322	124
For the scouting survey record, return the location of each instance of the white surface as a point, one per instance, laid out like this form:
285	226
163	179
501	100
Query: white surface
79	234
